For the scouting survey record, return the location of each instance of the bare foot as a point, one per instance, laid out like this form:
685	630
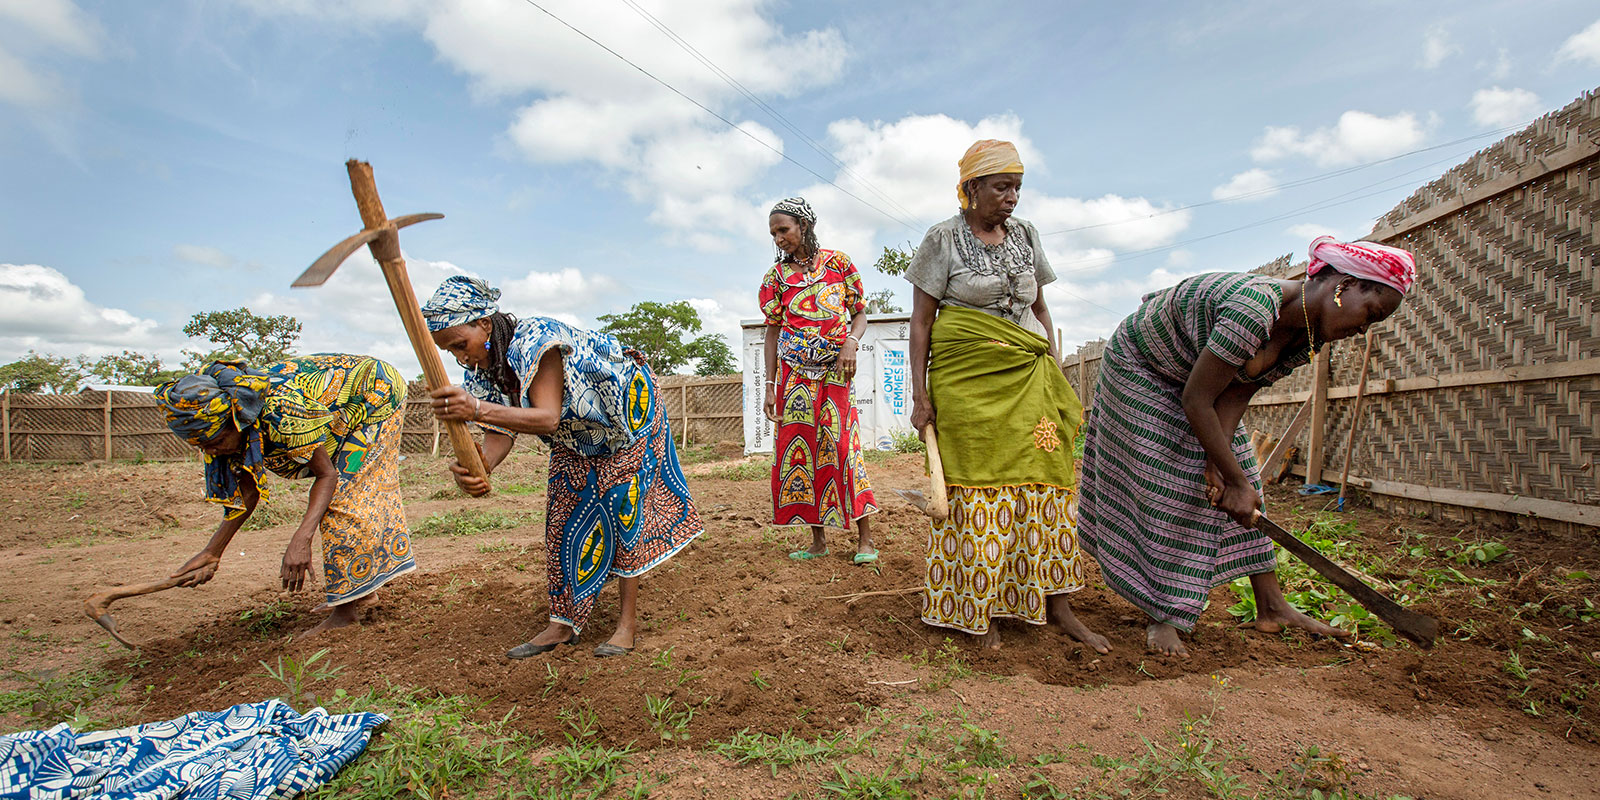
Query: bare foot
343	615
1276	621
1069	624
1162	639
991	639
362	602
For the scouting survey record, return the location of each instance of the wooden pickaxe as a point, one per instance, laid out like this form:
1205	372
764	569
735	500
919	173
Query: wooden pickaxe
382	237
937	503
98	606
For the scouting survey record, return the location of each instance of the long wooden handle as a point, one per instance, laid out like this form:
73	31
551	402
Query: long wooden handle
386	249
938	500
1355	417
98	604
1419	628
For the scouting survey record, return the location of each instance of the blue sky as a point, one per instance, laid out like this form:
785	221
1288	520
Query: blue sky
162	159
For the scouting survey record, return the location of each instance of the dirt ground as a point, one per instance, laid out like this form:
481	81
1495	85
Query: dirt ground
1507	704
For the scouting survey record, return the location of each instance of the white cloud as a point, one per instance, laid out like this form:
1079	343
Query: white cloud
1500	68
1088	310
1357	137
1582	46
1252	183
1497	108
550	293
1436	47
1306	231
590	106
203	255
34	30
41	309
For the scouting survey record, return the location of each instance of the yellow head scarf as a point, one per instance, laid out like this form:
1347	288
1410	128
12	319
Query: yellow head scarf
986	157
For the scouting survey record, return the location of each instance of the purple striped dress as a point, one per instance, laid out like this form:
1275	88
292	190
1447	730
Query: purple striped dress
1142	508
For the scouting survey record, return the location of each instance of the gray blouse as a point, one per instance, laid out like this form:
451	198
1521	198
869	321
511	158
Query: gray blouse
954	267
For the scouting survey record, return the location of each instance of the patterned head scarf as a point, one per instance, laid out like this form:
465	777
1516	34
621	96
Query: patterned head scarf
1389	266
199	405
458	301
986	157
796	207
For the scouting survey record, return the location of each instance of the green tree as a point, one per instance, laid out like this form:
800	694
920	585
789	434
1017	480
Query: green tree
714	356
34	373
882	302
237	333
658	330
895	260
128	369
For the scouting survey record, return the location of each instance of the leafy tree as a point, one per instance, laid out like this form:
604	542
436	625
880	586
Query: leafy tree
33	374
895	260
128	369
882	302
714	355
658	331
240	334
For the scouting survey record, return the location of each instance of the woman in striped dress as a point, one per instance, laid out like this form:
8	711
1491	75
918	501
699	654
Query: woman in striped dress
1170	485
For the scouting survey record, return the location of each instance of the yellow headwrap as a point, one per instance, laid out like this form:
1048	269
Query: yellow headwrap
986	157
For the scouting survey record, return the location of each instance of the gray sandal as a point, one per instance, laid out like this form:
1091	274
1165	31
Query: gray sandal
529	649
607	650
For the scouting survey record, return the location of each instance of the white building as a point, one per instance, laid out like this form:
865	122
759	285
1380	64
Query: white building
882	384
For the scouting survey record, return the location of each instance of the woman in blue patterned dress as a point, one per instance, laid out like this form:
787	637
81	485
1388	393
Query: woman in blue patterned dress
618	502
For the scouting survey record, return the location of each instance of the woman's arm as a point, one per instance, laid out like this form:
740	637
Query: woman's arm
1208	382
204	563
297	557
1042	312
769	388
453	403
852	343
923	309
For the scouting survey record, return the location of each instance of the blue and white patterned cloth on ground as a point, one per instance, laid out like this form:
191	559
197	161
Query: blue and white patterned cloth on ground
248	752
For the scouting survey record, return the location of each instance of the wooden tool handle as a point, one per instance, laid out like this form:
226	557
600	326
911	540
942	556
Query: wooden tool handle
97	604
386	249
938	500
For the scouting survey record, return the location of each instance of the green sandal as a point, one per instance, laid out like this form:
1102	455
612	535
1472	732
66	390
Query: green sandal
806	555
864	558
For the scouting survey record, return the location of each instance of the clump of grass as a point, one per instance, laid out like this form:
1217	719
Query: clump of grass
520	488
266	620
47	697
782	750
470	522
906	441
754	470
271	513
299	678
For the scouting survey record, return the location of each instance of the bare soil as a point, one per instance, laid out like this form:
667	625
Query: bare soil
753	640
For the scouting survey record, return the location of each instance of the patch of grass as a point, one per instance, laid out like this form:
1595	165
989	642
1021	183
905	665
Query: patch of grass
947	663
906	441
469	522
1310	593
298	678
782	750
266	620
758	469
698	454
274	511
669	718
886	785
47	697
1478	553
520	488
501	546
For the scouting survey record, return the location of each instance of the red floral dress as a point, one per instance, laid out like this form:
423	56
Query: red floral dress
820	477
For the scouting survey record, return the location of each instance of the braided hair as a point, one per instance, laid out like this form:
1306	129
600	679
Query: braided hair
502	327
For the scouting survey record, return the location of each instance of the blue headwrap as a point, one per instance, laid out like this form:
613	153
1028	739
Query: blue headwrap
458	301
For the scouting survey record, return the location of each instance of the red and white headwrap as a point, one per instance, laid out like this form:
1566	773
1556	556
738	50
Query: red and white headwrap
1389	266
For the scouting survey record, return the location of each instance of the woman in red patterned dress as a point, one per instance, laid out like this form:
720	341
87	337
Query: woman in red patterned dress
813	305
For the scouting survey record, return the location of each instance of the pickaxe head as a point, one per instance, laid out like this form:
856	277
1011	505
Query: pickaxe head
322	269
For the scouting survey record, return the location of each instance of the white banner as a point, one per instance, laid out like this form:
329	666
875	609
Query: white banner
882	384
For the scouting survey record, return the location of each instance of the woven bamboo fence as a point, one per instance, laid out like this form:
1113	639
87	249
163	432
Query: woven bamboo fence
1483	392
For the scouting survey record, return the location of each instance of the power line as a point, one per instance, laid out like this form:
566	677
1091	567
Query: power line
733	82
725	120
1291	184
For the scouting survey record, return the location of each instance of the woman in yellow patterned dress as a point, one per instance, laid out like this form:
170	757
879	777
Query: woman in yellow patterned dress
331	417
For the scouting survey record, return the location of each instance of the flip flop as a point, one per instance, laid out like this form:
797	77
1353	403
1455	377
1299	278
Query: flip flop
806	555
529	649
864	558
607	650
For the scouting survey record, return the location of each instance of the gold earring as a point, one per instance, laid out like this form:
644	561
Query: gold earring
1336	293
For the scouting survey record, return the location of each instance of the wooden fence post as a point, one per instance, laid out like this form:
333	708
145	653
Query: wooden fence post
1355	417
435	450
108	424
1083	377
684	393
5	420
1319	414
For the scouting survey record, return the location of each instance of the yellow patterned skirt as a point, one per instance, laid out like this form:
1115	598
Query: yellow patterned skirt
1000	553
365	542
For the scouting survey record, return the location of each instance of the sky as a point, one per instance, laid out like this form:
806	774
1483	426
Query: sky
159	160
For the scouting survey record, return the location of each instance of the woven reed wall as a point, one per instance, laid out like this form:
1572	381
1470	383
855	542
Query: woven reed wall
1484	389
72	427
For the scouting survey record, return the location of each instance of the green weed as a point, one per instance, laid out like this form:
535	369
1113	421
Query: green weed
265	621
298	677
47	697
759	469
470	522
782	750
